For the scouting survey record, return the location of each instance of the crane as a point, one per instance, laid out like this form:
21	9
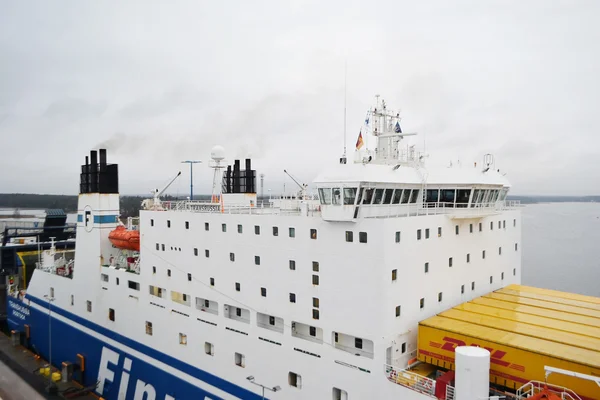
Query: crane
303	186
154	203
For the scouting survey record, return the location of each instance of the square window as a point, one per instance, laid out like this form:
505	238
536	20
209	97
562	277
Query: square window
292	232
206	253
472	285
315	314
168	223
182	339
292	265
315	302
439	231
468	257
358	343
294	380
206	226
462	289
231	257
403	347
275	231
187	225
224	227
427	233
456	229
349	236
256	230
480	227
153	270
195	251
313	233
111	314
315	279
240	360
499	251
397	237
426	267
292	297
394	274
422	303
168	272
89	306
450	262
483	254
257	260
440	297
189	277
418	234
237	287
491	280
240	229
148	328
397	311
212	281
263	292
209	348
151	222
312	331
315	265
470	228
362	237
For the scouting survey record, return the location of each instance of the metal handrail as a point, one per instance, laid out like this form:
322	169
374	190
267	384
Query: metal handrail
410	380
533	387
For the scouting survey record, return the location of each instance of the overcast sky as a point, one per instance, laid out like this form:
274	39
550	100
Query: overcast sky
160	82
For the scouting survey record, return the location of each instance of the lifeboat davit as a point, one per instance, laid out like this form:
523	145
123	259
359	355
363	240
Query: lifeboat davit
123	238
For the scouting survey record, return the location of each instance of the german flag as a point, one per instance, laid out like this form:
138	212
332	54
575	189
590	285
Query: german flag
359	142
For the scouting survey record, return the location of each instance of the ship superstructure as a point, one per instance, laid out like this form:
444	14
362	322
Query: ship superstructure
311	296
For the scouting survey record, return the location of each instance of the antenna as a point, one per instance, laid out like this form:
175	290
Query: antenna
343	159
262	186
217	155
192	162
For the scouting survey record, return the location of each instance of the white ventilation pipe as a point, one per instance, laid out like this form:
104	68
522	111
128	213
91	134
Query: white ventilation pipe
472	373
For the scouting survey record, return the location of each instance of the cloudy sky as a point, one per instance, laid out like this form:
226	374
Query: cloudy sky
158	82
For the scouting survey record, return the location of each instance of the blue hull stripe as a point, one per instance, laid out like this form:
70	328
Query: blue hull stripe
174	362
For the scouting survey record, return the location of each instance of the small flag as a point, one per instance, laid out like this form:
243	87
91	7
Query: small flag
367	119
359	142
397	129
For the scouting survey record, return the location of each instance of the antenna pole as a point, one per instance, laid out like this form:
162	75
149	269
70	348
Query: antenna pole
191	175
345	81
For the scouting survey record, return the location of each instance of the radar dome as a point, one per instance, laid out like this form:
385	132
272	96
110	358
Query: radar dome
217	153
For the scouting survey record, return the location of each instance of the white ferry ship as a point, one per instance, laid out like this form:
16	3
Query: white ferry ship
307	297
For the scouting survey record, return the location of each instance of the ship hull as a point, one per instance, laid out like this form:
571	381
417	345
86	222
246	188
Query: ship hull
124	368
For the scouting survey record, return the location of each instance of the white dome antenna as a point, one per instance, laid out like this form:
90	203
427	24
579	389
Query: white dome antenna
217	154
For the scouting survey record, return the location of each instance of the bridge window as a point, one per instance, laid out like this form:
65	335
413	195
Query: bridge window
397	196
337	197
462	197
432	195
405	196
414	196
367	196
349	195
325	195
378	196
447	196
387	198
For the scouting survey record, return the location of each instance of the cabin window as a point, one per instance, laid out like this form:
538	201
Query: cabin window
418	234
312	331
394	274
257	260
134	285
153	270
514	272
504	224
189	277
206	253
367	196
168	223
209	348
206	226
313	233
502	276
349	236
432	195
362	237
480	227
240	360
378	196
349	196
491	279
405	196
387	198
456	229
212	281
358	343
516	247
263	292
439	231
397	196
468	258
336	197
315	265
427	233
325	196
195	251
470	228
157	246
111	314
163	247
292	265
295	380
275	231
151	222
315	314
462	289
292	297
483	254
315	302
89	306
440	297
491	225
148	328
397	311
315	279
414	195
187	225
499	251
224	227
472	285
514	222
397	237
238	287
256	230
447	196
231	256
240	228
292	232
450	262
426	267
72	300
422	303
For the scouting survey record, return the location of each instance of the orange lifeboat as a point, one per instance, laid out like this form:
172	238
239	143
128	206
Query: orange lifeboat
125	239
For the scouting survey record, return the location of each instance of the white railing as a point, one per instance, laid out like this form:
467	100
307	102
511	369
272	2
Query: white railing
410	380
450	392
534	387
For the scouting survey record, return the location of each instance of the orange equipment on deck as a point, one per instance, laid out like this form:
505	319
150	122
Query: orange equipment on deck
545	394
125	239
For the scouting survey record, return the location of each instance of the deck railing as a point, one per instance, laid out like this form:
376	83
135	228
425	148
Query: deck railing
534	387
408	379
